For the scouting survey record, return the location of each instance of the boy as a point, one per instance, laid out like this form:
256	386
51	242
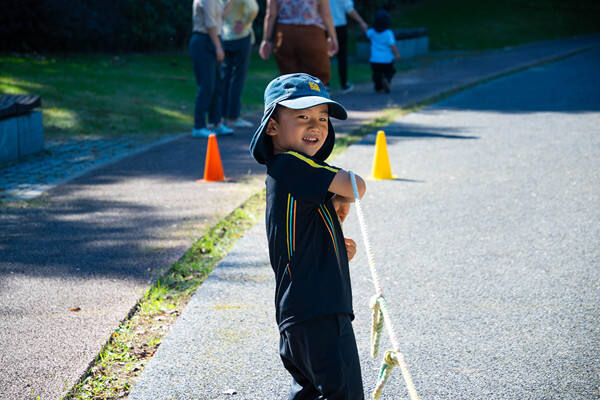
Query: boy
308	252
383	51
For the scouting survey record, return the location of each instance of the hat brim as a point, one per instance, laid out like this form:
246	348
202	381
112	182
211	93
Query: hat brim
259	149
336	110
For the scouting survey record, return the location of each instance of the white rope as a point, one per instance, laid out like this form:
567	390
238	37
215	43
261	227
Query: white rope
379	296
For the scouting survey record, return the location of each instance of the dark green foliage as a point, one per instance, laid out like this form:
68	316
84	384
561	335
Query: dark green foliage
114	25
94	25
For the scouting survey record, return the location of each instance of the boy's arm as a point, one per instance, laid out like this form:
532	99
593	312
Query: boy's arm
342	186
395	51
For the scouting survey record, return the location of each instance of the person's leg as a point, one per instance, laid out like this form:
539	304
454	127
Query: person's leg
390	71
215	111
238	77
350	359
300	388
284	49
342	55
204	62
324	351
312	52
228	70
376	69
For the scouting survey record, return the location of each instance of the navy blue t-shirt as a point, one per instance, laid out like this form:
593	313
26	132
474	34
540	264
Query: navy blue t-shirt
306	243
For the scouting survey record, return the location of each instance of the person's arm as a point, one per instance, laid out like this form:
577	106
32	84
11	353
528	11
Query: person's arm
393	45
227	8
332	42
210	23
356	16
341	186
214	37
266	46
396	52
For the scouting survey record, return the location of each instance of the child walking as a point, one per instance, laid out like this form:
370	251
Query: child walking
307	249
383	51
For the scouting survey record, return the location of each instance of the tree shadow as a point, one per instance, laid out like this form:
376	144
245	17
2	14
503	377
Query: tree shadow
399	131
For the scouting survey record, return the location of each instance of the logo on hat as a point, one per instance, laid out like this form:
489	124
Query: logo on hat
314	86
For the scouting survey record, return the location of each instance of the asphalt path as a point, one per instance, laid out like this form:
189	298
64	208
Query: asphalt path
486	245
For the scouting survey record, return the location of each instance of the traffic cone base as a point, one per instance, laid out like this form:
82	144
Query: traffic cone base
381	160
213	169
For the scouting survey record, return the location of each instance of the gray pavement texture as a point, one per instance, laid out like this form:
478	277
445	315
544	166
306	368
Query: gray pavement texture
96	242
486	246
65	159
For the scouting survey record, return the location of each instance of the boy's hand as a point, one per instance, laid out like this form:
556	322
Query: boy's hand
350	248
341	206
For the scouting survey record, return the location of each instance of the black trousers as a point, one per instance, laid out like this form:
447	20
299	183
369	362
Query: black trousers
342	54
322	357
380	71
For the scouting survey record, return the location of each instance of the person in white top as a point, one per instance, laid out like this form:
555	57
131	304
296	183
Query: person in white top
206	52
383	51
340	9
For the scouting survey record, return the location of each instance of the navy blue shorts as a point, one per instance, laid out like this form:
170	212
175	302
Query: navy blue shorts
322	357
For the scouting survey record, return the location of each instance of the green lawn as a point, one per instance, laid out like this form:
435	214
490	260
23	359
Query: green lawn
105	95
485	24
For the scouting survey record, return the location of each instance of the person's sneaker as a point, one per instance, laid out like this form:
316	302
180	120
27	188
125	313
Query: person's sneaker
240	123
348	88
386	85
223	130
202	132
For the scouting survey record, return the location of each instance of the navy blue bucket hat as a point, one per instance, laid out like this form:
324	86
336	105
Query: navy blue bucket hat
296	91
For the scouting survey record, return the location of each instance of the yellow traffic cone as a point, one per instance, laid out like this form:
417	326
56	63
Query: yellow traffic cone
381	160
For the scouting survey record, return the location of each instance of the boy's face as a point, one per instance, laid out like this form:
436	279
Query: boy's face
299	130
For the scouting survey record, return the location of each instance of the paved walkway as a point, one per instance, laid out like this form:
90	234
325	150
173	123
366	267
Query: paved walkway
65	159
486	245
97	241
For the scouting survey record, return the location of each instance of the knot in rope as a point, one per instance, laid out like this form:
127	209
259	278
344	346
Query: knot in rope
390	360
377	323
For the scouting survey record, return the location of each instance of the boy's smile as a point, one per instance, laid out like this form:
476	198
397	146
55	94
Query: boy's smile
302	130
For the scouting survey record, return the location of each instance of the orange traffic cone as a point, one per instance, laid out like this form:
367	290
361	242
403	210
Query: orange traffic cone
213	170
381	160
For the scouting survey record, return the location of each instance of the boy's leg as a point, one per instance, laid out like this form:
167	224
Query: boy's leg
376	69
324	352
301	388
390	71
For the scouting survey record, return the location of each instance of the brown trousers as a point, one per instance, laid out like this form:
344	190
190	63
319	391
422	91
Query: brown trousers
302	48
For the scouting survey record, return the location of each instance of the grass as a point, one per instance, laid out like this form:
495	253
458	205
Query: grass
106	95
130	347
477	24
